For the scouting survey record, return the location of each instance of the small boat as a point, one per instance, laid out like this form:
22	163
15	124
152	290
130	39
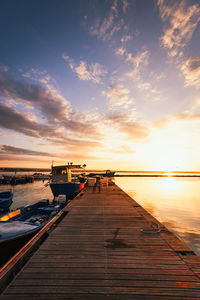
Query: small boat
108	173
20	223
63	183
5	200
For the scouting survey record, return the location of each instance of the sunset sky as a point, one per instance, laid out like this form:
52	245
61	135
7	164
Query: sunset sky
114	84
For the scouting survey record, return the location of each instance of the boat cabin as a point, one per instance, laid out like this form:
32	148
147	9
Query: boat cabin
62	174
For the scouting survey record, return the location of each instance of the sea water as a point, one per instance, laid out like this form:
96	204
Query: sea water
175	202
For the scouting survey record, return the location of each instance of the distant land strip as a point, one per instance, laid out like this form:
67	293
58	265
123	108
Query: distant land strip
135	173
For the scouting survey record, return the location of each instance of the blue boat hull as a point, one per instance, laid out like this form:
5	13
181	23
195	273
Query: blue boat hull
70	189
5	199
27	220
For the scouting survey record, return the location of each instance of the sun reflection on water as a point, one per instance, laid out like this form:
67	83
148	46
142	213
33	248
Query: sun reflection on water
170	185
173	201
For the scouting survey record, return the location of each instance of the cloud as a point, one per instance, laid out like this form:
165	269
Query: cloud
139	62
191	71
126	38
45	98
124	149
111	24
134	130
118	96
74	144
160	123
186	117
14	120
125	5
4	158
180	21
181	117
138	72
11	119
93	72
22	151
52	106
8	152
17	158
120	51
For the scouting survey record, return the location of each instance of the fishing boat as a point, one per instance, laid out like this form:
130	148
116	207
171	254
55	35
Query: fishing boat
5	200
26	221
63	183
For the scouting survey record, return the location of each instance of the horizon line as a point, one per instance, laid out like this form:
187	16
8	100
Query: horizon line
10	169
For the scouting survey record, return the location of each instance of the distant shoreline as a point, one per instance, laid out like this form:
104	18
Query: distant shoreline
15	169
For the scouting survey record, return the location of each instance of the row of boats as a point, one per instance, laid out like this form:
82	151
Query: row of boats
21	179
30	219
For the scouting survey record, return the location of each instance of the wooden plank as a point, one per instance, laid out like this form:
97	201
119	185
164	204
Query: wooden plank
38	274
38	290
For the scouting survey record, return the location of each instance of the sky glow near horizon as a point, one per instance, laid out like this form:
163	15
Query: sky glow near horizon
113	84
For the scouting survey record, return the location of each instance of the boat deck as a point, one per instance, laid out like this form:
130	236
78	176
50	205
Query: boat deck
108	248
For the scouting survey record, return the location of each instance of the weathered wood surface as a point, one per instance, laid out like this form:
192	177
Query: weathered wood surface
99	251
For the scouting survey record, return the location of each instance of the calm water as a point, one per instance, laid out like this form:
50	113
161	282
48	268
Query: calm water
29	193
173	201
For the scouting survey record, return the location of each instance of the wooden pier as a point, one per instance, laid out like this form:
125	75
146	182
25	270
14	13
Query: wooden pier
108	247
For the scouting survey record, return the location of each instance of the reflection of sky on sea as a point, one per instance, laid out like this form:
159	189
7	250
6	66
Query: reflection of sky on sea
173	201
29	193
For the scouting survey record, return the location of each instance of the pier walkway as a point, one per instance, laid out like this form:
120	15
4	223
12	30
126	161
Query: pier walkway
108	247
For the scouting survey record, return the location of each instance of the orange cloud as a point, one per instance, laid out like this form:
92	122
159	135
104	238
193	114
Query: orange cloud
133	130
181	117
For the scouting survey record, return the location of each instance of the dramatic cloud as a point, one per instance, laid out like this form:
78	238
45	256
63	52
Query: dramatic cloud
13	153
14	120
51	104
180	21
53	108
118	96
21	151
135	131
93	72
191	71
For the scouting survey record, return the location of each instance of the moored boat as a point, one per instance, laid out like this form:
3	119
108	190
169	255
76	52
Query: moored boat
63	183
26	221
5	200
